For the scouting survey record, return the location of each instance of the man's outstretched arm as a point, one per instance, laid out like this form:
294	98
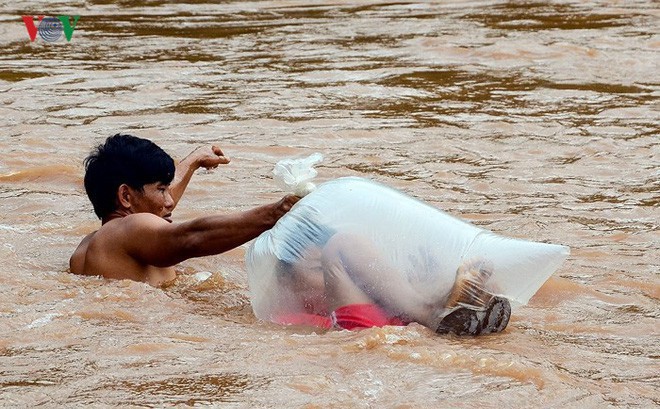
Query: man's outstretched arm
162	244
202	157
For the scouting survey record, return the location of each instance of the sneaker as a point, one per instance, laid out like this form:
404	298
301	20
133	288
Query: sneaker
470	285
466	321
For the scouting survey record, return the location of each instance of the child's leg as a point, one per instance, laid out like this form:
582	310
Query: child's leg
356	273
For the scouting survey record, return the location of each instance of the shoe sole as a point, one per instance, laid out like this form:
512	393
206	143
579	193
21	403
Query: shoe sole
466	321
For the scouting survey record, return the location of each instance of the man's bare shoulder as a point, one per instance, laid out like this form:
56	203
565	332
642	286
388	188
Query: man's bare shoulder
112	234
77	260
133	222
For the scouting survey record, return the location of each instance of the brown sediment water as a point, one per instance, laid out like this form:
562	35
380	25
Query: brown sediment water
536	120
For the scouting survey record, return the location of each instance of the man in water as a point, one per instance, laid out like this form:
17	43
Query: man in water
134	186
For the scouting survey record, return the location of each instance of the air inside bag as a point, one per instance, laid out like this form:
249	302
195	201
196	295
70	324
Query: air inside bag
422	244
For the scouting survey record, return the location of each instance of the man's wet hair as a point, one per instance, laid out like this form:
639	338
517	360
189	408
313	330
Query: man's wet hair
124	159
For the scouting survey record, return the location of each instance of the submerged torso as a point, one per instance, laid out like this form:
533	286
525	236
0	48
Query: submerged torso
101	254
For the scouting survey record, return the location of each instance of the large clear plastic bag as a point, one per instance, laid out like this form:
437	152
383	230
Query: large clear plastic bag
397	240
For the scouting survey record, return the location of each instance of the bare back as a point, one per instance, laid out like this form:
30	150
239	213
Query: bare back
105	253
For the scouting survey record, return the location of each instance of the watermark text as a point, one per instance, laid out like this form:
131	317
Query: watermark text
50	29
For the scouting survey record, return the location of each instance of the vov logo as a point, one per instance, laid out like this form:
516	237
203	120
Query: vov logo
50	28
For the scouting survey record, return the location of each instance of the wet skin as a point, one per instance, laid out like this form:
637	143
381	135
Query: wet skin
139	241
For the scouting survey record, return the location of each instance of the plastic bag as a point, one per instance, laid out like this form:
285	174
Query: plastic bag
414	255
295	175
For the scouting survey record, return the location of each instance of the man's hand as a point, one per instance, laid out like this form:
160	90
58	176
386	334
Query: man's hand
280	208
208	158
286	203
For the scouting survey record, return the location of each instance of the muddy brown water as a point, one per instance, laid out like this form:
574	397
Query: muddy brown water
532	119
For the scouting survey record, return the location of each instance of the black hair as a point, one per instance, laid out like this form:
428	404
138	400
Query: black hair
123	159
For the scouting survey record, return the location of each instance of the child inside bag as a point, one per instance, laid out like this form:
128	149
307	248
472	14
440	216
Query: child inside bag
357	254
340	280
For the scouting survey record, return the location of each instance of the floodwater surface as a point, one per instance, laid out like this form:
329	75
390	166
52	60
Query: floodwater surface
536	120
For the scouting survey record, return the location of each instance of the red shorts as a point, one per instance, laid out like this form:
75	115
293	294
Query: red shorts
351	317
358	316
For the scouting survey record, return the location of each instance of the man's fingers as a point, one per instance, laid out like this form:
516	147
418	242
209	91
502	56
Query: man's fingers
221	155
218	160
211	160
290	200
287	202
217	150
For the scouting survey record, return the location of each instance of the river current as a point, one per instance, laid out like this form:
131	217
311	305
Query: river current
536	120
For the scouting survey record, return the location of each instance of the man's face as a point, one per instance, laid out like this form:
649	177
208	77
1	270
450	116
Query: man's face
155	198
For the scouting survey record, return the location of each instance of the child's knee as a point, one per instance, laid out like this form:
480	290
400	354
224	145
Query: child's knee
332	250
